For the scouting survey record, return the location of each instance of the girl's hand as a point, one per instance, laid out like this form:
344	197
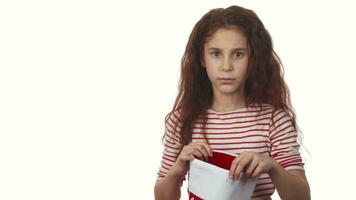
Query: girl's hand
253	165
200	150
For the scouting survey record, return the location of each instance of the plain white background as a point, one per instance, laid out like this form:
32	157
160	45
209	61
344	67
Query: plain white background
85	87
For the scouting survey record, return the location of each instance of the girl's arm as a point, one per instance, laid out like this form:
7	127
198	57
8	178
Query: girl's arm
291	184
287	173
168	187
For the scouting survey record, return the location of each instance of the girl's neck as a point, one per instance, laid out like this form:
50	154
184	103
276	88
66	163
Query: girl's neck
226	105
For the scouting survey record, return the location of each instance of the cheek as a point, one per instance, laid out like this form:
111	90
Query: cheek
243	70
210	60
242	67
210	73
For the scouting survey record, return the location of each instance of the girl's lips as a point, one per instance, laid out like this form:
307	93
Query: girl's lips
226	80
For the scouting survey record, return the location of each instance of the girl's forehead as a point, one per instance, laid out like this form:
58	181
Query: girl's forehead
227	37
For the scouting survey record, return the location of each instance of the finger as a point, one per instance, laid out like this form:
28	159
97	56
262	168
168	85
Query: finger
205	153
186	154
187	157
234	164
204	147
196	153
241	165
208	148
251	167
190	157
257	171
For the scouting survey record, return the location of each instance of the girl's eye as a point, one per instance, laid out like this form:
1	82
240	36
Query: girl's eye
239	54
215	53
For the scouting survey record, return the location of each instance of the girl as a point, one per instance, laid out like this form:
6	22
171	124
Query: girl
232	97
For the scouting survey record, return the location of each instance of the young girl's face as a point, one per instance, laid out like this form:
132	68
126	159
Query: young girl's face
226	57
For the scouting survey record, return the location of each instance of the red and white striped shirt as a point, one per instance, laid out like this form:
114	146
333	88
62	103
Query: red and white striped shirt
241	130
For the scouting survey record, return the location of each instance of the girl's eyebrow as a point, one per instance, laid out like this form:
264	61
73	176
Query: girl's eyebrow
235	49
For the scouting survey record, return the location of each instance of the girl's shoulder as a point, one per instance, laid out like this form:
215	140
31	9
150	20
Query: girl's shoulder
174	116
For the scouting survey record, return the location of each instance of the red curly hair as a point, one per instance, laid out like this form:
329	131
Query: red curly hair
264	84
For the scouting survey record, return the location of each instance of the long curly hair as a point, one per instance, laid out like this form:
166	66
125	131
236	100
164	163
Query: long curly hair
264	84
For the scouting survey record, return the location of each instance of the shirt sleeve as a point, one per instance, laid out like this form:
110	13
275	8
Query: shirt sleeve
171	145
283	140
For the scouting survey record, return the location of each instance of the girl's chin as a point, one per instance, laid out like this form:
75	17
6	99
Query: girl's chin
227	90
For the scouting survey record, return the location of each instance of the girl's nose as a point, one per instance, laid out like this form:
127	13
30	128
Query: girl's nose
226	65
227	69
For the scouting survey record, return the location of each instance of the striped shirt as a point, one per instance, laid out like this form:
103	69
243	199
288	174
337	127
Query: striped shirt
244	129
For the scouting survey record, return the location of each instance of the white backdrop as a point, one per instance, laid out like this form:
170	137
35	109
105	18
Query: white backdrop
85	86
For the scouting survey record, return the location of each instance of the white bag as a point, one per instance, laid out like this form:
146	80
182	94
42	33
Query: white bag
210	182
